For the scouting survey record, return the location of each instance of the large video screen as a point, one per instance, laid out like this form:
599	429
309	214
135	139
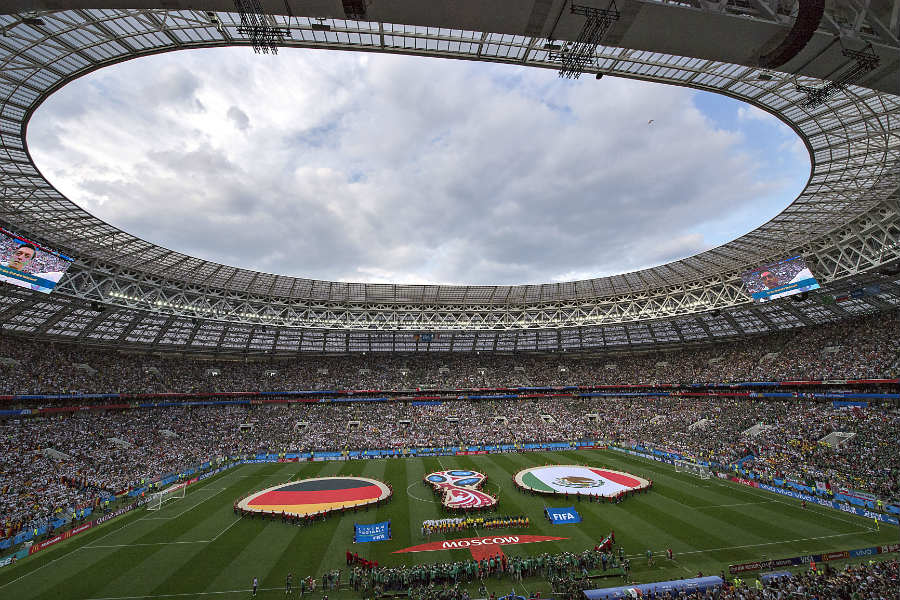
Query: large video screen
30	265
786	278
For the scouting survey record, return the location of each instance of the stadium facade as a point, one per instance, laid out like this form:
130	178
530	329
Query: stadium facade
126	292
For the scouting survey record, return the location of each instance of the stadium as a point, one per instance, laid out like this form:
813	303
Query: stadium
723	425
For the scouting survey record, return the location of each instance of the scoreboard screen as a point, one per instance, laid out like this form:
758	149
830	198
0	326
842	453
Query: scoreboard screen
785	278
29	265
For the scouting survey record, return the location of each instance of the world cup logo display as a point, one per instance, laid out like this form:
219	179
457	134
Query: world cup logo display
460	489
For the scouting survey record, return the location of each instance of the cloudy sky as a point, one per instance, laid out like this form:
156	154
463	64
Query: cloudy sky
363	167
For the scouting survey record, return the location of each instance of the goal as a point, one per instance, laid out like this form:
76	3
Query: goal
157	499
701	471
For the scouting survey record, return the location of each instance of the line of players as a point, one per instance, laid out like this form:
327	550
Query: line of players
331	580
433	526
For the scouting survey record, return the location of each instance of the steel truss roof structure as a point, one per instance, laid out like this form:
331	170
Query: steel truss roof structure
846	222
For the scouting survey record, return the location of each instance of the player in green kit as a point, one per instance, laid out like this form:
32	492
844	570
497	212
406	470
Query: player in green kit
649	558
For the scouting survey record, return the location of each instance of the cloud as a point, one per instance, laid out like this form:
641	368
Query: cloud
397	169
748	112
239	118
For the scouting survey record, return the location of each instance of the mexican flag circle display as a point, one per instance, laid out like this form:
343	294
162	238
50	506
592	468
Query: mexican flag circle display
578	479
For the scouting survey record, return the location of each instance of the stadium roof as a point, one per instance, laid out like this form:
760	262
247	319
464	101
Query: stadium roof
846	222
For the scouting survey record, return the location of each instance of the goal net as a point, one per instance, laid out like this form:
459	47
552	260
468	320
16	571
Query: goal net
157	499
701	471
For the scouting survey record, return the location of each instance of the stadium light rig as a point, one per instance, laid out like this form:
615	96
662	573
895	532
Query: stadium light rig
259	27
575	59
865	61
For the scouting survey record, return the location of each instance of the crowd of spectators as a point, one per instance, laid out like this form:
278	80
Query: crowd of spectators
855	349
873	581
877	580
50	464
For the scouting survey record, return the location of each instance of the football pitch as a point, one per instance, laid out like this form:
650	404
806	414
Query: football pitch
196	547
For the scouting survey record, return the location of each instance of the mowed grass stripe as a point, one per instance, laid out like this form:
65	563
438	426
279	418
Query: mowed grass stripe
766	527
82	563
232	574
193	573
816	520
395	511
96	535
339	529
513	502
163	561
771	518
117	569
762	518
773	504
415	495
254	557
639	522
63	550
120	571
732	522
657	514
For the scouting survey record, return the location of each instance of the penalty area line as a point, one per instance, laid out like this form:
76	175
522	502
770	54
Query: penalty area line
738	504
192	507
236	521
821	537
824	511
147	544
73	550
111	531
183	594
42	566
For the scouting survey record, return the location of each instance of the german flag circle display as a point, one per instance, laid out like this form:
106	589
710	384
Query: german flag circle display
316	496
578	479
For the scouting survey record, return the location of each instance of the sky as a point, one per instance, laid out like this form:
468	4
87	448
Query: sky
380	168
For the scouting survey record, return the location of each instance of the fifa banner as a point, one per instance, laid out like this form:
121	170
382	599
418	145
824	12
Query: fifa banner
673	588
563	516
796	561
376	532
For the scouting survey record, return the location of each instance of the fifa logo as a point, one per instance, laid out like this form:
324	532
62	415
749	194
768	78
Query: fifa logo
461	489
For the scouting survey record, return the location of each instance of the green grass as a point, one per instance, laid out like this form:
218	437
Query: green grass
196	548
